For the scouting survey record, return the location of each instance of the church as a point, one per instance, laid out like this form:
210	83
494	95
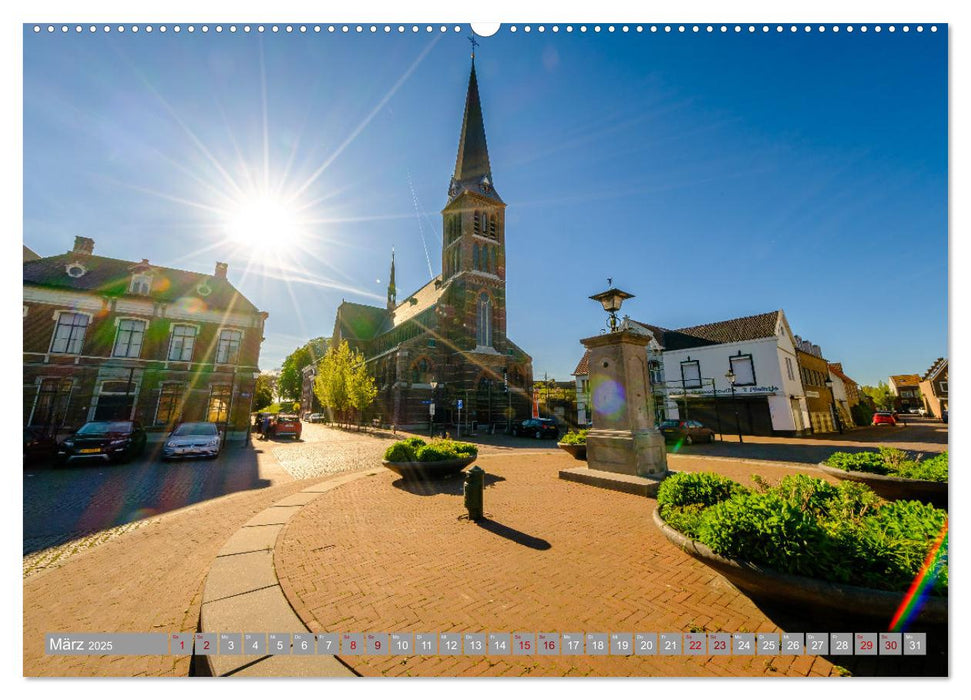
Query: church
444	348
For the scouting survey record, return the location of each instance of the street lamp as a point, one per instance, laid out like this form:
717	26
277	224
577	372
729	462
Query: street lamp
431	410
611	301
836	416
730	376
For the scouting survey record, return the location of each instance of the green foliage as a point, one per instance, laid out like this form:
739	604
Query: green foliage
575	438
400	452
343	382
808	527
290	383
416	450
263	391
893	462
862	414
869	462
881	395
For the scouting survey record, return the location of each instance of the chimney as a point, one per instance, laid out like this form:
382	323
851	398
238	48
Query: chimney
83	245
221	269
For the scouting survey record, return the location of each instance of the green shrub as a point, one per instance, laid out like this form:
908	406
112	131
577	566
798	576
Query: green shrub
808	527
685	488
439	450
415	442
575	438
869	462
932	469
893	462
862	414
400	452
465	449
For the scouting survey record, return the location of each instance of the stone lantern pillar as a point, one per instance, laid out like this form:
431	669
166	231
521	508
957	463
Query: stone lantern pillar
623	439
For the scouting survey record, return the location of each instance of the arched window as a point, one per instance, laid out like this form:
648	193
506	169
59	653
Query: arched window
483	335
420	372
492	227
475	223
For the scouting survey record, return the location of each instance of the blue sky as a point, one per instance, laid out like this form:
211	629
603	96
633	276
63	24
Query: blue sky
711	175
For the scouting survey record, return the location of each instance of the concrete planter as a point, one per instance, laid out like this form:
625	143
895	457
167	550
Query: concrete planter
802	593
428	470
576	451
895	488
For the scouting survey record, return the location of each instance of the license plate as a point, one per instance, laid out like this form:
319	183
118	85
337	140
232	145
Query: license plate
90	450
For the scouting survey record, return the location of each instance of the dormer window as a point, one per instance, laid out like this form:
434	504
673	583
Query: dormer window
75	269
141	283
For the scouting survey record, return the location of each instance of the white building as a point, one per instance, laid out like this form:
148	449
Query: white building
689	375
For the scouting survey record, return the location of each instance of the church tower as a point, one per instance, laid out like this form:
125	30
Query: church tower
473	239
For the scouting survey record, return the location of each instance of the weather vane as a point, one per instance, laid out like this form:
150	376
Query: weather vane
474	43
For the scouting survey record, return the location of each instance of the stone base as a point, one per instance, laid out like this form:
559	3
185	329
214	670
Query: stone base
626	483
639	453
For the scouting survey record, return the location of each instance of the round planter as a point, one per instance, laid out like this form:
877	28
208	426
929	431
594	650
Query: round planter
895	488
576	451
429	470
803	593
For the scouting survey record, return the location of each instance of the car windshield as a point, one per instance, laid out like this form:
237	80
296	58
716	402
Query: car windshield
195	429
105	427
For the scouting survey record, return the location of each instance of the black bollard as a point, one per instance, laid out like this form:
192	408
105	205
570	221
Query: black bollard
473	488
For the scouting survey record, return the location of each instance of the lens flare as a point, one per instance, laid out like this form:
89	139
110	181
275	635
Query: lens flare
608	396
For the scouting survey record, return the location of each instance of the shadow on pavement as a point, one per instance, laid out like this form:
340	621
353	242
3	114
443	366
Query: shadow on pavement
513	534
451	485
81	499
934	664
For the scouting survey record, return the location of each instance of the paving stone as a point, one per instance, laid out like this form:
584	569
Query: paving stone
232	574
273	516
251	539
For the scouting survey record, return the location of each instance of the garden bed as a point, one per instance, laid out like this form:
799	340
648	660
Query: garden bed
415	459
575	443
839	549
892	475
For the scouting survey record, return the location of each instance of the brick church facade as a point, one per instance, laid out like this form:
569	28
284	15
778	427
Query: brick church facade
446	344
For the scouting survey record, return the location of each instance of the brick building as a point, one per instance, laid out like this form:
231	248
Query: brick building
814	371
933	388
446	342
906	389
114	339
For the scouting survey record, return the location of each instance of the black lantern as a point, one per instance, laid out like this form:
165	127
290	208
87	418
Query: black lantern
612	300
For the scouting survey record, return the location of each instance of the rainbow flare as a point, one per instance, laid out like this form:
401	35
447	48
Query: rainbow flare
921	585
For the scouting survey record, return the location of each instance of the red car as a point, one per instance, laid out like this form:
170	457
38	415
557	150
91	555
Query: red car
286	426
884	418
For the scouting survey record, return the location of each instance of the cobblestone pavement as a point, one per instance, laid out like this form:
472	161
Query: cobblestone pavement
379	555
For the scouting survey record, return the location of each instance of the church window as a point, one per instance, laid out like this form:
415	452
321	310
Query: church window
492	260
492	227
483	336
476	223
420	372
475	257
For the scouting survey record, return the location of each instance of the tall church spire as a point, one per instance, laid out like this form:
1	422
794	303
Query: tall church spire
392	291
472	169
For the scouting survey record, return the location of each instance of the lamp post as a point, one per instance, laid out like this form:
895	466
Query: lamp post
431	410
836	416
730	376
612	300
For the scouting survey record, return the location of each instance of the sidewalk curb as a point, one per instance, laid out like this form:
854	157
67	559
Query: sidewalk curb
242	593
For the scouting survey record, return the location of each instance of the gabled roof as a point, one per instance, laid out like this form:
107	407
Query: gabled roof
360	321
583	366
111	277
905	379
837	369
424	298
731	331
940	364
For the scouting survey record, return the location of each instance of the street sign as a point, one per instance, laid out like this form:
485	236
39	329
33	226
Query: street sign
460	404
431	408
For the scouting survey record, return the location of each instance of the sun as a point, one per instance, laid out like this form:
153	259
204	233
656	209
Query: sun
264	222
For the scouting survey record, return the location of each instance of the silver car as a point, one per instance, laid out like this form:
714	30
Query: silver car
193	440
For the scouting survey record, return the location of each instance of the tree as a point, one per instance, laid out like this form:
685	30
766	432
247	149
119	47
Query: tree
290	383
881	395
263	391
343	383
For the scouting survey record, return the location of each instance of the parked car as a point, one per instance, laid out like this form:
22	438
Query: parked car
193	440
884	418
686	431
286	426
537	427
38	446
105	440
316	418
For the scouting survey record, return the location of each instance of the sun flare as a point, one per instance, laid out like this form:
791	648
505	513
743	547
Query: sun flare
264	222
